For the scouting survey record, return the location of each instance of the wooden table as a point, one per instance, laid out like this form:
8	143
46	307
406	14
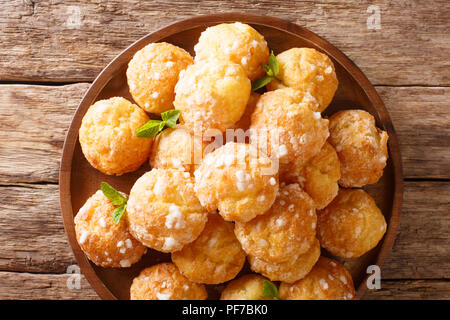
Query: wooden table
52	50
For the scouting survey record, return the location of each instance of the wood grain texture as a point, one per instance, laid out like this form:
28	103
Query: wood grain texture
422	247
54	287
421	121
74	40
35	120
33	238
411	290
29	286
32	235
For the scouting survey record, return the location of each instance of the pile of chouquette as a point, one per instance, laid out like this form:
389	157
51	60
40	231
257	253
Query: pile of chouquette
286	192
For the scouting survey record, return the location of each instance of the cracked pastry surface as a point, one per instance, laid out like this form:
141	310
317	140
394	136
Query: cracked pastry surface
105	243
107	136
163	211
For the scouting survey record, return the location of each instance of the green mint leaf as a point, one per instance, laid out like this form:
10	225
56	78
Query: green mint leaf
270	291
267	69
261	82
273	65
170	117
112	194
150	129
118	213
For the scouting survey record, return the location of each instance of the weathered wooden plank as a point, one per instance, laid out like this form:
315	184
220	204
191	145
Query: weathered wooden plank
74	40
35	119
422	247
33	239
411	290
421	121
32	235
27	286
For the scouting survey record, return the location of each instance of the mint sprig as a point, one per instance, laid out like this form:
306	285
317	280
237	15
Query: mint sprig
117	199
270	291
153	127
272	68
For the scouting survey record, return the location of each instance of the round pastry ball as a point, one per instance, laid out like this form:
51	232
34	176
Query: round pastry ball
214	257
164	282
351	225
107	136
328	280
105	243
236	42
361	147
153	73
290	270
212	96
318	177
163	211
237	181
177	149
248	287
287	230
284	126
309	71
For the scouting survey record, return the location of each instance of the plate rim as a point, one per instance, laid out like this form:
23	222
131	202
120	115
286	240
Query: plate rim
189	23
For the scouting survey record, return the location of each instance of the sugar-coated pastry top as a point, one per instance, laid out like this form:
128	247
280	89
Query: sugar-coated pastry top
212	96
328	280
351	224
361	147
214	257
309	71
285	126
318	177
177	148
237	181
153	73
290	270
164	282
105	243
107	136
286	230
248	287
236	42
163	211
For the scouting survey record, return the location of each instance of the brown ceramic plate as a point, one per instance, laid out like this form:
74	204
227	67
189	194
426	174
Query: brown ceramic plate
78	180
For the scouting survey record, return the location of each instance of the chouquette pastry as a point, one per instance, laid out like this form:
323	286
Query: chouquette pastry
360	145
289	270
328	280
351	224
237	181
107	136
309	71
214	257
248	287
177	148
287	230
164	282
105	243
236	42
285	126
212	96
163	211
318	177
153	73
